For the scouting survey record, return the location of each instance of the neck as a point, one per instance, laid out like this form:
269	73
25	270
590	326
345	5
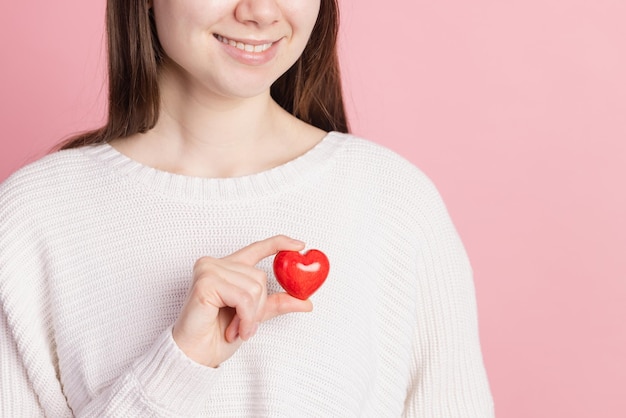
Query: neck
207	135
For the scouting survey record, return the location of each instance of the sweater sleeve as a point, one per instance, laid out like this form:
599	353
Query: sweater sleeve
163	382
16	389
29	384
160	382
448	378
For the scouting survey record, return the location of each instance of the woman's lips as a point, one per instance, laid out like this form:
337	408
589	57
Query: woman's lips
249	52
248	46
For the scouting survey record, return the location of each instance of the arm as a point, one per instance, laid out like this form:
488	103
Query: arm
163	376
31	382
163	381
29	385
447	372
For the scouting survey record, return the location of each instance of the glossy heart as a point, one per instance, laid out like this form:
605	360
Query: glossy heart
301	274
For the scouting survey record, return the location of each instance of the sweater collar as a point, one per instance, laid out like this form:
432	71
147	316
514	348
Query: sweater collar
305	168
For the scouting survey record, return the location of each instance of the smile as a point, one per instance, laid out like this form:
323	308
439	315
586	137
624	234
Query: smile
243	46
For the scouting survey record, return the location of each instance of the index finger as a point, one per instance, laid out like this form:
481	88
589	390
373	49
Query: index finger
257	251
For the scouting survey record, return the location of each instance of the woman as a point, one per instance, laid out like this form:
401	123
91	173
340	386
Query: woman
135	264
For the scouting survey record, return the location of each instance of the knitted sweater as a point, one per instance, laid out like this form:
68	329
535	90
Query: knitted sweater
96	258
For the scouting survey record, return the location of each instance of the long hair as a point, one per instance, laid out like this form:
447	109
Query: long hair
310	89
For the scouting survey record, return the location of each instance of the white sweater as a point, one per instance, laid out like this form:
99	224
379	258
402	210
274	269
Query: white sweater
96	255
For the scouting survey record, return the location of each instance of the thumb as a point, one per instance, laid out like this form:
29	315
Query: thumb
282	303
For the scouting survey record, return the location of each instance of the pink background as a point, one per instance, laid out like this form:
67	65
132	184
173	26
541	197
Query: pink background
516	109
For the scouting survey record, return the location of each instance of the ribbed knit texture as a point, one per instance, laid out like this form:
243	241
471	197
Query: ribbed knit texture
96	256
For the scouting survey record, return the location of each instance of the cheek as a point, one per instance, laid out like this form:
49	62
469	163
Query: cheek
178	24
303	14
165	25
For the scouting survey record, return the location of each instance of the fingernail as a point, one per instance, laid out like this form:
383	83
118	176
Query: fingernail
298	242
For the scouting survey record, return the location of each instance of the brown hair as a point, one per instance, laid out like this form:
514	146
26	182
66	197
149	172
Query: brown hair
310	89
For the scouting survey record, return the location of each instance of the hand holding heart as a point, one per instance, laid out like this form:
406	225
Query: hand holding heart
228	300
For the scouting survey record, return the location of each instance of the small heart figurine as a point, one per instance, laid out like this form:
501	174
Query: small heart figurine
301	274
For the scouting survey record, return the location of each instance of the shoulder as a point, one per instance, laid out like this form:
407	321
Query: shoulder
42	199
385	170
50	178
54	164
390	185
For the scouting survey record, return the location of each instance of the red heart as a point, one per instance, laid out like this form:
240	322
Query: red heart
301	274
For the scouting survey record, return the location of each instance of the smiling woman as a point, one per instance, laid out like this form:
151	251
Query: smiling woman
135	263
310	89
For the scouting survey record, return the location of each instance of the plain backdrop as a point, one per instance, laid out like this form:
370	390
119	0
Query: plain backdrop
516	109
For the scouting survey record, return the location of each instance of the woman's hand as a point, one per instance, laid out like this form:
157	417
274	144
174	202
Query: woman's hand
228	300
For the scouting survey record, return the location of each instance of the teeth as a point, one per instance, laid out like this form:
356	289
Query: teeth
244	47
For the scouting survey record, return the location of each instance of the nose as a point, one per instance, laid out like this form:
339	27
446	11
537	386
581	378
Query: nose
258	12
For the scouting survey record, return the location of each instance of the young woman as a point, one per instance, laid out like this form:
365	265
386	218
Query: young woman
135	264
